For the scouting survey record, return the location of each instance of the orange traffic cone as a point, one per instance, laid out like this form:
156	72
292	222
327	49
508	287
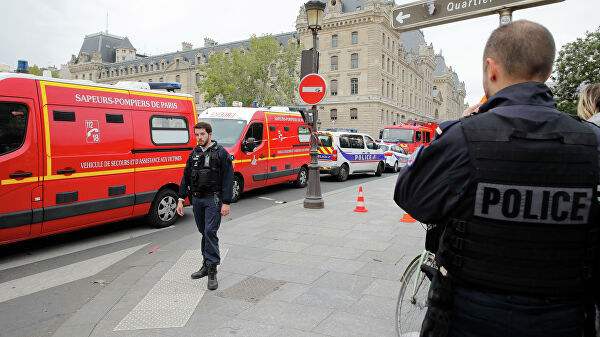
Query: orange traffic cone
407	218
360	203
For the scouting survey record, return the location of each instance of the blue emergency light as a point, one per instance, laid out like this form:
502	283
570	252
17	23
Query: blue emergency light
169	86
22	66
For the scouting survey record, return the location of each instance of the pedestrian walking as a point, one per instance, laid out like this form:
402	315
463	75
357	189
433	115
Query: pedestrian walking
208	182
513	191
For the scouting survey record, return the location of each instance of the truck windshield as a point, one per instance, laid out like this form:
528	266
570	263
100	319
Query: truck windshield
225	131
403	135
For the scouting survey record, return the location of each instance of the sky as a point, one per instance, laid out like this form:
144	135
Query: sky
47	33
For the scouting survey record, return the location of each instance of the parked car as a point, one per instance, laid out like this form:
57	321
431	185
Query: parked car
395	157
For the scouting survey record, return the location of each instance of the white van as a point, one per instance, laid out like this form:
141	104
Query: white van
345	153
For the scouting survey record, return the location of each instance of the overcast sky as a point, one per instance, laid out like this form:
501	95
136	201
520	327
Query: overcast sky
48	32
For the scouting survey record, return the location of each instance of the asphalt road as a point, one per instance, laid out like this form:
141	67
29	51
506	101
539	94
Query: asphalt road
46	280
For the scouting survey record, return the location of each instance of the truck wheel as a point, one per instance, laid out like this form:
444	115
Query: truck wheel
343	174
379	169
238	187
162	212
302	178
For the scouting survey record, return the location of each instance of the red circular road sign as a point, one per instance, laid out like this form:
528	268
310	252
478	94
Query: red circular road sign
312	89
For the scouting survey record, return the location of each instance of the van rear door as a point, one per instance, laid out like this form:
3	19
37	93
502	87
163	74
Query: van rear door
19	168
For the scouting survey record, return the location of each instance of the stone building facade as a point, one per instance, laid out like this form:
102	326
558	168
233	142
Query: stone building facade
375	75
107	58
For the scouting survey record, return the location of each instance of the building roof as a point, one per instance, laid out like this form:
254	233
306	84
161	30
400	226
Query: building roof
190	55
105	44
412	39
352	5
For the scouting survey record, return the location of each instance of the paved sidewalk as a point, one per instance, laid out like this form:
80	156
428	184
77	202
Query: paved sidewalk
286	271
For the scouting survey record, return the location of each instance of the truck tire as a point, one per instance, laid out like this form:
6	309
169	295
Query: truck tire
238	187
162	211
379	169
302	178
343	173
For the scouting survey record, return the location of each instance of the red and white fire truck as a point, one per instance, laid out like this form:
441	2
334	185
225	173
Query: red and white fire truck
75	154
409	135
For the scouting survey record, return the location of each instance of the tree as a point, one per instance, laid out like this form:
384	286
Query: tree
35	70
265	72
577	63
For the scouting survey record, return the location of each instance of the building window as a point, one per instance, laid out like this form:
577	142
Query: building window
393	90
334	88
353	113
178	79
333	114
334	63
83	76
197	97
334	40
382	61
197	59
354	37
383	39
354	61
388	65
197	77
161	79
149	80
177	64
382	87
354	86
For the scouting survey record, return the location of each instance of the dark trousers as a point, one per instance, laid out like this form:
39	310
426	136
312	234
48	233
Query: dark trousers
477	313
207	213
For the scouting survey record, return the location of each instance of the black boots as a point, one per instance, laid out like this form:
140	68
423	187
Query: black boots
202	272
212	277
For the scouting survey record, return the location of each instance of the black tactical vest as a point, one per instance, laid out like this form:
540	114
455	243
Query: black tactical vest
528	222
206	170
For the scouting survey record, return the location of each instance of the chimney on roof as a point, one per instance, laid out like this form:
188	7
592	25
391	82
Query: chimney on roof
186	46
208	42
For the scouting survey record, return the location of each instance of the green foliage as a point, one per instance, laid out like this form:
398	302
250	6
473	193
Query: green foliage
35	70
578	62
266	73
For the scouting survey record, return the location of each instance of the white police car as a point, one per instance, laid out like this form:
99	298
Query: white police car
345	153
395	156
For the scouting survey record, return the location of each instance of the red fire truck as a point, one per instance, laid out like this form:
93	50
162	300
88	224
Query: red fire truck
409	135
75	154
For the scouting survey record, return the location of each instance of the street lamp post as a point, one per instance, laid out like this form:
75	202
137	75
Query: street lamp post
314	14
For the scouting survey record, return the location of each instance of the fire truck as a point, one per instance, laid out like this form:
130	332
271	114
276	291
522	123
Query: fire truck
409	135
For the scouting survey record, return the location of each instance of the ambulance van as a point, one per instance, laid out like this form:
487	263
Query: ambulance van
75	154
345	153
267	145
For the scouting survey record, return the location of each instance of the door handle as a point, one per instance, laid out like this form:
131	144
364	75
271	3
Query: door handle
261	156
21	175
273	155
65	171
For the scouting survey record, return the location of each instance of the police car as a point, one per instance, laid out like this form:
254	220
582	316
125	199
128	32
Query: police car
395	156
345	153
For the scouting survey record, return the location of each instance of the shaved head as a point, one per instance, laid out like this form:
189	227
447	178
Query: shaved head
524	49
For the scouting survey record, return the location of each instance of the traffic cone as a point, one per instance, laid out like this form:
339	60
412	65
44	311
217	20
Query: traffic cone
360	203
407	218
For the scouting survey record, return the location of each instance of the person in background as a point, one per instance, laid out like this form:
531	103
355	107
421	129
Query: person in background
589	104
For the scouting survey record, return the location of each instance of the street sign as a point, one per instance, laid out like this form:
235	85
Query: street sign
312	89
427	13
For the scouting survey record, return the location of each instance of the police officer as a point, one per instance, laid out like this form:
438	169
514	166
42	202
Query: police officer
208	181
513	190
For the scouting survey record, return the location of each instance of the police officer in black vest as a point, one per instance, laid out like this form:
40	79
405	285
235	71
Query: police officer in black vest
514	192
208	181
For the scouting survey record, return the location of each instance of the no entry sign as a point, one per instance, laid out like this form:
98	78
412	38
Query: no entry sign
312	89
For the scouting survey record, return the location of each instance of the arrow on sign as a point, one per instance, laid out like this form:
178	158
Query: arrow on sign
400	18
312	89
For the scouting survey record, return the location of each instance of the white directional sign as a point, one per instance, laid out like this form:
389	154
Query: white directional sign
426	13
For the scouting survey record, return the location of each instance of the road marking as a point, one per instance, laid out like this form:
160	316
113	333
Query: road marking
265	198
172	300
82	244
45	280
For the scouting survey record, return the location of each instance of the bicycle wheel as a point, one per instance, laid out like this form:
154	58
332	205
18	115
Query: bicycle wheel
412	299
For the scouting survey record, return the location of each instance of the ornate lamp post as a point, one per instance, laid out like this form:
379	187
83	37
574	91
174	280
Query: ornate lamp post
314	14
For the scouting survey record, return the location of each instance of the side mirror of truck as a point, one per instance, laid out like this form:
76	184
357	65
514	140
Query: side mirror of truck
249	144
